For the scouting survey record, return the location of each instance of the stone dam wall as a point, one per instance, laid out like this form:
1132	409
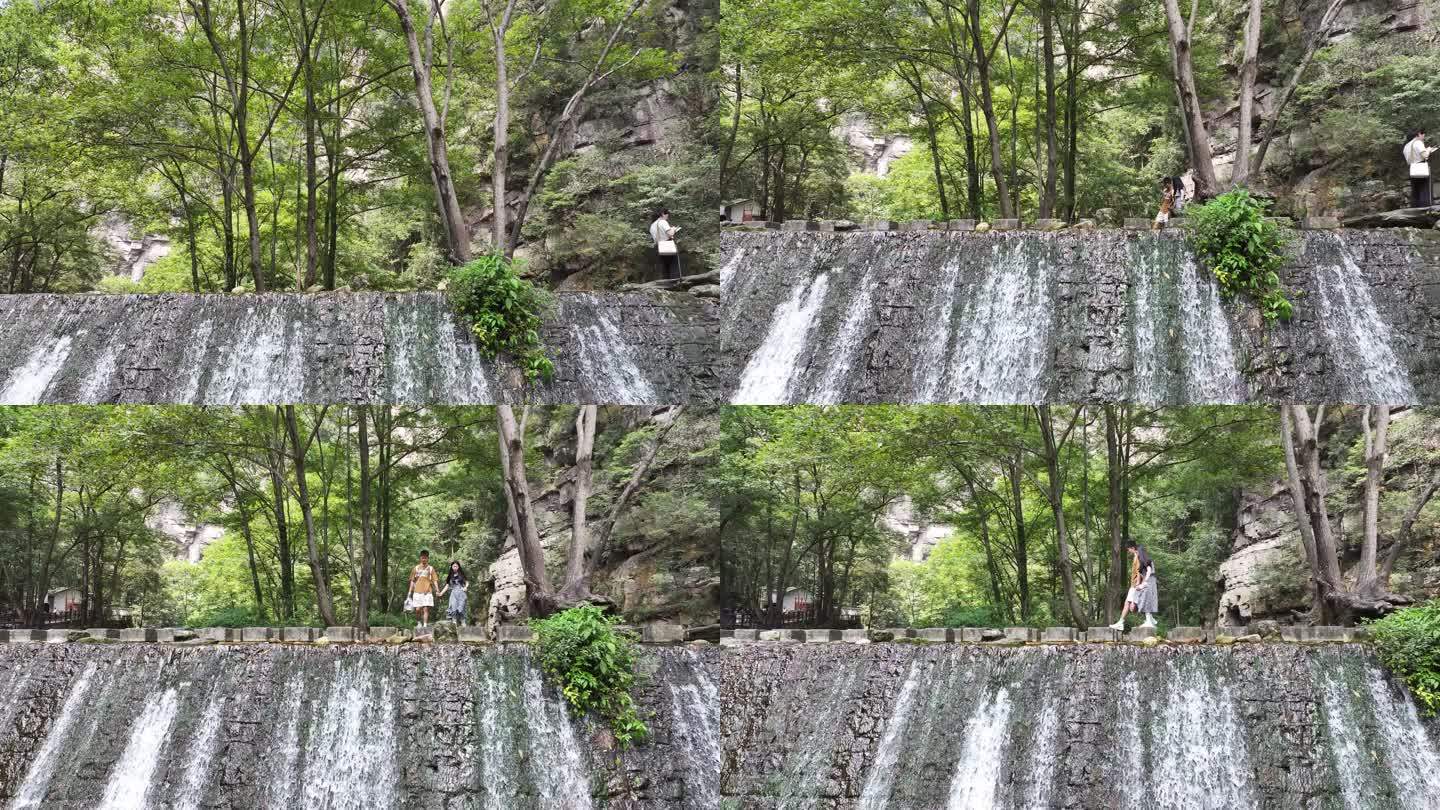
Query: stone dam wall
1177	727
623	348
359	726
1076	315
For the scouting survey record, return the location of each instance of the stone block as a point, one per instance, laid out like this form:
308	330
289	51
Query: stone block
220	633
768	225
960	225
663	633
846	225
103	632
917	225
1233	631
1140	633
57	636
825	226
1020	634
1048	224
1292	633
1007	225
1327	634
747	635
900	632
1101	635
1084	225
514	633
971	635
1138	224
791	225
137	634
470	634
936	634
1321	223
855	636
782	635
305	634
879	224
342	635
380	633
1057	635
165	634
821	635
254	634
1186	635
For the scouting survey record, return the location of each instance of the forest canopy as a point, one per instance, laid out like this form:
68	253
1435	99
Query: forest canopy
1034	505
320	144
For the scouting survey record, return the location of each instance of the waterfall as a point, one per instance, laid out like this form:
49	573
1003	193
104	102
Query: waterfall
150	725
1000	353
342	348
978	770
767	376
32	791
612	370
846	347
1184	350
1360	340
935	347
1212	371
695	703
130	781
28	384
882	774
895	727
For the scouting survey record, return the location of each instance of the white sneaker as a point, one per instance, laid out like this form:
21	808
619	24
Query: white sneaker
1149	622
1118	626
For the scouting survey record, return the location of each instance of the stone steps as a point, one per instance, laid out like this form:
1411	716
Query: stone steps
1011	636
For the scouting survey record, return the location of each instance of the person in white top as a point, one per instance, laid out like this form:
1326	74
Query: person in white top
663	235
1417	157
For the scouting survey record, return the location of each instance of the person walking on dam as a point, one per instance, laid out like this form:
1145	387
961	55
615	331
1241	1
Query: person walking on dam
423	584
1417	159
1144	595
456	583
663	235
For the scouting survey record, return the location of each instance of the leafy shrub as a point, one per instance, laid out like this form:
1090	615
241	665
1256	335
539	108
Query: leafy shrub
972	616
1242	249
503	310
593	664
1408	643
233	616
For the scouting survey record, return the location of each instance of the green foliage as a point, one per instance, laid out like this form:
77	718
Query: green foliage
503	310
593	664
1408	643
1243	249
233	616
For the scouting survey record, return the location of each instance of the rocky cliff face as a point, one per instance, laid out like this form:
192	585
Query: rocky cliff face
661	565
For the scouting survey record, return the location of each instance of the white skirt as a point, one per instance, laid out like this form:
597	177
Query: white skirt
420	600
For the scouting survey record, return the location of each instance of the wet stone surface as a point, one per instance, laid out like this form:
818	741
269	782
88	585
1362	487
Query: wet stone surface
1073	316
626	348
260	725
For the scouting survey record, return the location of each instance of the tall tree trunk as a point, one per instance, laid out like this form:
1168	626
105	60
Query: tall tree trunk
1047	24
319	567
539	595
577	580
1115	470
1249	67
982	58
1376	424
1195	135
1017	507
1056	496
452	222
367	531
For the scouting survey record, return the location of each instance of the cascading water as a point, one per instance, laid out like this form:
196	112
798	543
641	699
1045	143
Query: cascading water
1073	316
1361	341
769	373
1105	726
344	347
149	726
